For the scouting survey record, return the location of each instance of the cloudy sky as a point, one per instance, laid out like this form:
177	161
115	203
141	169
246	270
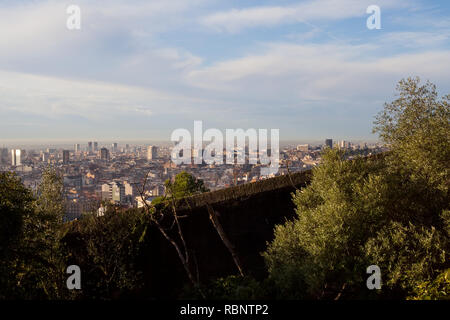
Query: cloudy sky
138	69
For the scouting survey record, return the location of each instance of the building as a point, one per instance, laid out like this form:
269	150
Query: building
303	147
129	190
15	157
74	181
329	143
140	203
73	209
344	144
4	155
95	146
101	211
105	191
66	156
90	147
114	192
157	191
104	154
152	153
114	147
77	148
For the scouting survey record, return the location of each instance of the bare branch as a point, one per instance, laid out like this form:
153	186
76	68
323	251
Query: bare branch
155	216
216	223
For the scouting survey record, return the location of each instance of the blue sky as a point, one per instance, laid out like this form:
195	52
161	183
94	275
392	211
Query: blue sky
140	69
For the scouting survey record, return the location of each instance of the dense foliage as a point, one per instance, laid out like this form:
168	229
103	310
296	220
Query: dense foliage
183	185
32	263
110	250
391	212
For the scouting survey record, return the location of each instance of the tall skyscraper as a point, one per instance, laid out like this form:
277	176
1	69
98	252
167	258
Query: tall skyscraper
66	156
114	147
329	143
90	146
95	146
77	147
152	153
15	157
104	154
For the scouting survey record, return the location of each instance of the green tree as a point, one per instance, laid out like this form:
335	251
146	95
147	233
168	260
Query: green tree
390	211
31	230
108	250
320	253
184	185
50	200
417	127
16	205
438	289
43	265
409	255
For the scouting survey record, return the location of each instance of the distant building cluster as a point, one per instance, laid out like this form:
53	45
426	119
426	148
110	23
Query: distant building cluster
95	175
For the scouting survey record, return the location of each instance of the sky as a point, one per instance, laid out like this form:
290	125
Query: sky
139	69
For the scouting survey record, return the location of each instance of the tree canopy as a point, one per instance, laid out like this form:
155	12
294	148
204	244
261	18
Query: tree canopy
183	185
391	211
31	229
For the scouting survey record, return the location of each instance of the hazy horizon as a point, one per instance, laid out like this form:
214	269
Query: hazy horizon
70	144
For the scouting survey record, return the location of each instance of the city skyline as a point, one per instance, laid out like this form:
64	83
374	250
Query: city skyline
140	69
83	145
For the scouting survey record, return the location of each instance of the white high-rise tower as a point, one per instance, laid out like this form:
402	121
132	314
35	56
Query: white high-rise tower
15	157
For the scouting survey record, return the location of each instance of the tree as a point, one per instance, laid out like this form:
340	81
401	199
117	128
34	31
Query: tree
109	250
50	201
320	253
31	230
417	127
16	204
391	211
43	265
183	185
438	289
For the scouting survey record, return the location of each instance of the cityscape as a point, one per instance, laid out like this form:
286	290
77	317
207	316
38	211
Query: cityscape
95	174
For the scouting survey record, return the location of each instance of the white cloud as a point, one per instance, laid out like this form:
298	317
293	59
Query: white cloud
116	42
313	10
325	72
55	97
417	39
38	28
